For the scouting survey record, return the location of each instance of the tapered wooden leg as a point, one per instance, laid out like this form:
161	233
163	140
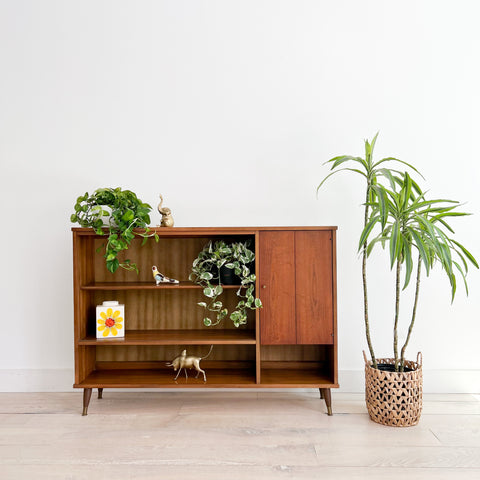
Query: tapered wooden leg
100	393
87	394
321	393
325	392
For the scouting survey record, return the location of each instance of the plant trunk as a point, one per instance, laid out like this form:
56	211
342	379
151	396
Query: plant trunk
414	313
364	278
397	311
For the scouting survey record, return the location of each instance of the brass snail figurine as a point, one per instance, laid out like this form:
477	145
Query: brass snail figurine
166	213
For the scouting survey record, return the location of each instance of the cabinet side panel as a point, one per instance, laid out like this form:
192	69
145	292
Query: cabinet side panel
82	273
277	287
314	287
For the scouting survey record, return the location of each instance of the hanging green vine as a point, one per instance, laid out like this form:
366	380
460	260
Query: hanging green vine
124	211
206	272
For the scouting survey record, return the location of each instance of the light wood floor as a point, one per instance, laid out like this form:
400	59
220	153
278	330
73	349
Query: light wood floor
232	435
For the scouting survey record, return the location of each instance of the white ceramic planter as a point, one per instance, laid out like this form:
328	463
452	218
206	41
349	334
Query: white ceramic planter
110	320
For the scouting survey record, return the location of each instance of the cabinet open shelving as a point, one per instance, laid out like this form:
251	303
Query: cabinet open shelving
173	337
111	286
289	343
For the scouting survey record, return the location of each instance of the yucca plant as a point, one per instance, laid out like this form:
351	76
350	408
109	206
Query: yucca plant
371	171
416	232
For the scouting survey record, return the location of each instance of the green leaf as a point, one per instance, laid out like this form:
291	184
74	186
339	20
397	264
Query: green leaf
344	158
218	290
258	303
202	304
338	171
407	254
112	265
466	253
379	238
207	322
382	204
407	190
374	140
393	159
366	231
395	244
387	173
459	268
208	292
421	249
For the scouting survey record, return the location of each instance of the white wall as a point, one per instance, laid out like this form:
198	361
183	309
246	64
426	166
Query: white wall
229	108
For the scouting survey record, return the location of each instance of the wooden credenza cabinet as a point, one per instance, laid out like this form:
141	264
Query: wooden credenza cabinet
289	343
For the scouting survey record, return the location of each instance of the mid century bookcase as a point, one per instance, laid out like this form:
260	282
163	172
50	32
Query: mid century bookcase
289	343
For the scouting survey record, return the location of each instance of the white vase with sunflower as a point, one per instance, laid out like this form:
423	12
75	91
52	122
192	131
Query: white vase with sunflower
110	320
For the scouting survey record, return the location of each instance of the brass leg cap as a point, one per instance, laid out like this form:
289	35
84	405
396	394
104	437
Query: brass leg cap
329	411
84	412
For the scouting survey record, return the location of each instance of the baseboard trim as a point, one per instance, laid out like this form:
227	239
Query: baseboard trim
351	381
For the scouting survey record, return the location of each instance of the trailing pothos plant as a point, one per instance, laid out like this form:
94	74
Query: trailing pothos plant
415	229
206	271
120	211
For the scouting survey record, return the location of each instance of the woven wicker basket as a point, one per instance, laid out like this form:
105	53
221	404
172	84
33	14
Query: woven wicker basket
394	398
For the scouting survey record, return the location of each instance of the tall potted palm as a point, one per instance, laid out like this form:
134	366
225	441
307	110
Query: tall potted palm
418	236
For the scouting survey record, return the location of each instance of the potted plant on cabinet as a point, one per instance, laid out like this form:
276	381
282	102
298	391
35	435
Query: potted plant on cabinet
418	235
212	267
120	211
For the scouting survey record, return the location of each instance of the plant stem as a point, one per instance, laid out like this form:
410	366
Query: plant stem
397	311
414	313
364	278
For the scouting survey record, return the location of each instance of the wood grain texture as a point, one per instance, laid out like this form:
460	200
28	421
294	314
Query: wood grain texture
294	353
113	286
334	349
277	287
171	337
161	320
82	273
180	232
314	287
167	353
161	378
167	309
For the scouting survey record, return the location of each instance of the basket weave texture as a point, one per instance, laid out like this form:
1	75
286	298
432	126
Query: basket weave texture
394	398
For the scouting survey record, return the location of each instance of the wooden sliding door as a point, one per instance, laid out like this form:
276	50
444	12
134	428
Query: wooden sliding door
296	287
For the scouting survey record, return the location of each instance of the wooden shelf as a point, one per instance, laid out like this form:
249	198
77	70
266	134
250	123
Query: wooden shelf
145	286
218	378
163	378
295	378
176	337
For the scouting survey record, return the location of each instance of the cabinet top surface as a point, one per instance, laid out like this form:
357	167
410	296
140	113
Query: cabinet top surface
210	230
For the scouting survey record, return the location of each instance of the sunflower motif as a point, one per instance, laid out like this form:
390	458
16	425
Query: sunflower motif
110	323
